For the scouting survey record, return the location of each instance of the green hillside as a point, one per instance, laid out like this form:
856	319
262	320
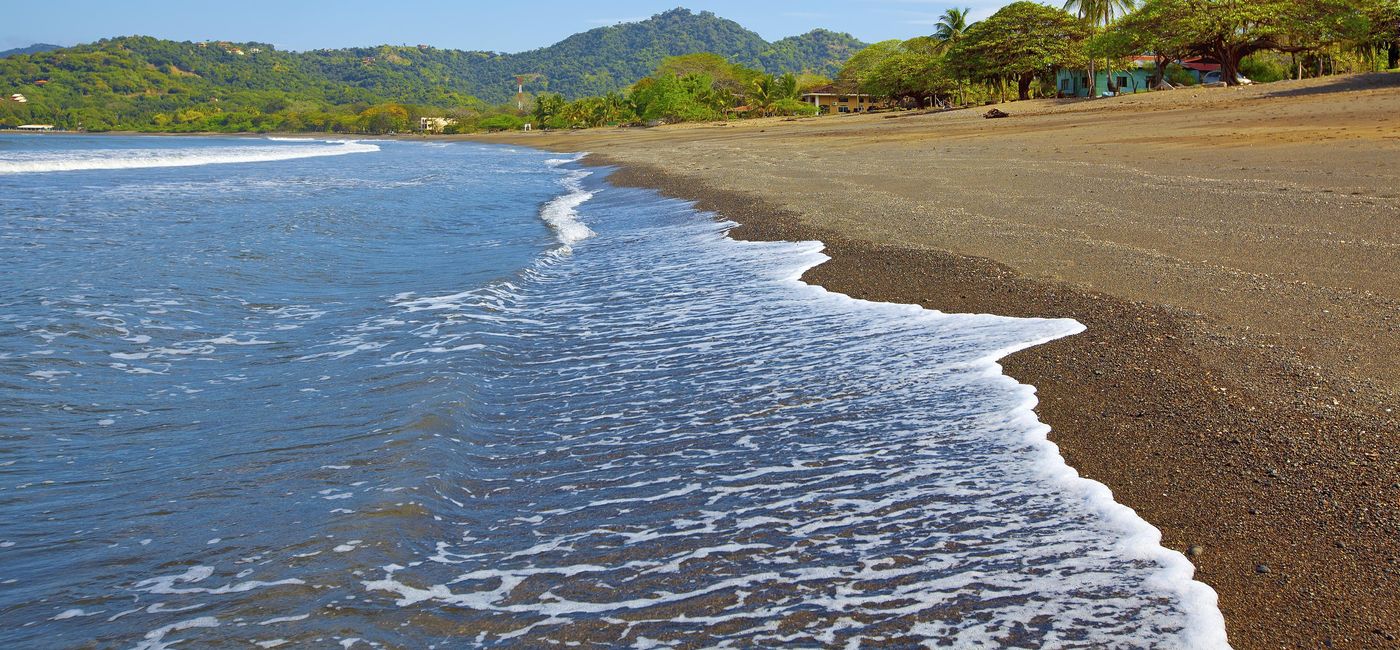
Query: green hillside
29	49
139	82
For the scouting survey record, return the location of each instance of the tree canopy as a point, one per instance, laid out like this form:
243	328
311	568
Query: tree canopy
1020	42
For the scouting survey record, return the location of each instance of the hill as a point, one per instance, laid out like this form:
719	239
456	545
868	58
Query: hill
612	58
30	49
142	82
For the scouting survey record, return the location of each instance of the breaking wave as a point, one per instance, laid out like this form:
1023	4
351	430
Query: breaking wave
562	212
93	159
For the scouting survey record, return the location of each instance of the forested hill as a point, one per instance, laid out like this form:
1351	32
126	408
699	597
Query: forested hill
135	81
30	49
611	58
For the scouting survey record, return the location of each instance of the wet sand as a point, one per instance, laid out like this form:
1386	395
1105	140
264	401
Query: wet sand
1235	254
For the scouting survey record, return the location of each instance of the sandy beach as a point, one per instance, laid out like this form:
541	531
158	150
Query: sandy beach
1235	254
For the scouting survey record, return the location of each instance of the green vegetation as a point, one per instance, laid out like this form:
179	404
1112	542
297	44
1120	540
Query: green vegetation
689	88
1020	43
30	49
1231	30
1027	44
146	84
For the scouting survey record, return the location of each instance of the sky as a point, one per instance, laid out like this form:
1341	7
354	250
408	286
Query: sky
457	24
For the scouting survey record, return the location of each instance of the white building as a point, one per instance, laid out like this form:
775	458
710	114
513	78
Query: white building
434	124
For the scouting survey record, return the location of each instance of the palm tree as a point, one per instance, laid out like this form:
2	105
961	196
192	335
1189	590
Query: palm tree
951	26
1100	13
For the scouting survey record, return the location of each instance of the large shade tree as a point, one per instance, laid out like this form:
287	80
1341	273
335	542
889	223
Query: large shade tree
1020	42
1230	30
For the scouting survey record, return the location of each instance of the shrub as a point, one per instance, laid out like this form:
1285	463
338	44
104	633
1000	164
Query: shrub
501	122
1263	68
793	107
1178	76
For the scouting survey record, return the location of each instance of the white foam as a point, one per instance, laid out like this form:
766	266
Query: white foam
561	213
155	639
93	159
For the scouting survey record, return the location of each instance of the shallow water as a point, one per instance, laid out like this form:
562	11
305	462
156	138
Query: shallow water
455	395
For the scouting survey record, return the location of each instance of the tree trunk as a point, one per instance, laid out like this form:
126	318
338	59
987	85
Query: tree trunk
1023	86
1395	55
1093	81
1230	67
1298	64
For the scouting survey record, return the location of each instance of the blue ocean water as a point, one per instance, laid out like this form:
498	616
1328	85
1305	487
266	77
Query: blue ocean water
406	394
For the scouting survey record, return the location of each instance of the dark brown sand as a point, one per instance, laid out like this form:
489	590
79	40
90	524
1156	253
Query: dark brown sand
1235	255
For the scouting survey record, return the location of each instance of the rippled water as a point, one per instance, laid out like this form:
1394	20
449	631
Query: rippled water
453	395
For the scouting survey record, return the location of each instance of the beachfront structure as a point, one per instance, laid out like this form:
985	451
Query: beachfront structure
434	124
1201	68
1136	77
35	127
830	99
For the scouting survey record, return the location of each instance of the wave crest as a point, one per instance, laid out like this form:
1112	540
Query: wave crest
561	213
187	157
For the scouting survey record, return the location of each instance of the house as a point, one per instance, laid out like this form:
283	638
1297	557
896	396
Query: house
1137	77
19	98
434	124
35	127
830	99
1201	68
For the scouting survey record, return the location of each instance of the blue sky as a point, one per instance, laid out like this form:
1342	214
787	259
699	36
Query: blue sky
463	24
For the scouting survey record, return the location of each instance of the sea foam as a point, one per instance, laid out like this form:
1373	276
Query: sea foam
94	159
561	213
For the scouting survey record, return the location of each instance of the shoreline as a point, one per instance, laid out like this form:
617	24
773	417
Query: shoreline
1278	475
1243	407
1104	411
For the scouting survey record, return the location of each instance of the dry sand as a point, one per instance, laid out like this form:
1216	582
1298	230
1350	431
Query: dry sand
1235	254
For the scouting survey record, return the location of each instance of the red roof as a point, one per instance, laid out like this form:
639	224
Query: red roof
1201	64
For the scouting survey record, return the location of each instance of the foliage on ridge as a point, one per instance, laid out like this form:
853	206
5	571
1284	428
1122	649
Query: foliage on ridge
144	83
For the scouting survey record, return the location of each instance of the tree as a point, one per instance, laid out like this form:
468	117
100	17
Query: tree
1020	42
1229	30
860	66
692	98
1100	13
951	26
1146	30
767	92
384	118
547	107
916	72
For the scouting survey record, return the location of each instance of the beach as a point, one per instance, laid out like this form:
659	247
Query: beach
1234	253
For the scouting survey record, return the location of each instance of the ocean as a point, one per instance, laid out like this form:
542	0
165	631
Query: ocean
403	394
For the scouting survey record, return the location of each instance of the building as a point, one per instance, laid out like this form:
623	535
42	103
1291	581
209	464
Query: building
35	127
434	124
830	99
1137	77
1201	68
19	98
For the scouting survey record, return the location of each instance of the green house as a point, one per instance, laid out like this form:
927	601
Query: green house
1137	77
